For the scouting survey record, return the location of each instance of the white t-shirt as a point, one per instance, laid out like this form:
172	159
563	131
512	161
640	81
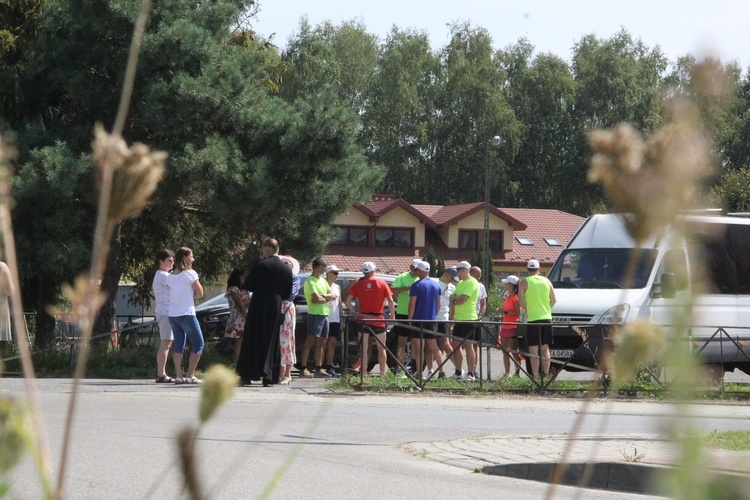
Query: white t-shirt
161	292
334	315
181	302
482	295
446	290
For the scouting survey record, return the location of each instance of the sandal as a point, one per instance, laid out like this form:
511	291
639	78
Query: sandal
193	380
286	381
179	381
164	379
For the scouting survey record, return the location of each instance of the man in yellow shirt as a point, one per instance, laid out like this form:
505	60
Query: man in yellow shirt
537	296
464	311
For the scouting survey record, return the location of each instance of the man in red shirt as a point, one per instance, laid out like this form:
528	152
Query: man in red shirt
371	294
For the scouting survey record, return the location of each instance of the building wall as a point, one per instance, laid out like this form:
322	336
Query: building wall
396	218
352	217
476	221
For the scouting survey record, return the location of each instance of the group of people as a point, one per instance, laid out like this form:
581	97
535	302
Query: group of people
262	303
439	316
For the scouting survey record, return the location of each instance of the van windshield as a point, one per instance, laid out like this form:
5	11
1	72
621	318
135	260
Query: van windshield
601	268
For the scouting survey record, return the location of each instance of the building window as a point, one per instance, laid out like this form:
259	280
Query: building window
397	238
350	236
467	240
496	240
523	240
553	242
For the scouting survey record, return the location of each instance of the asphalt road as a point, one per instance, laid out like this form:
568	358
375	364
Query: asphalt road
304	441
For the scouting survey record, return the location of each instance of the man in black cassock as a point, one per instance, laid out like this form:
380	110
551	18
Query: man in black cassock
270	282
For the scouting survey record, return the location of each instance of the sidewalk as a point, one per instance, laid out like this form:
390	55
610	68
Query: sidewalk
626	462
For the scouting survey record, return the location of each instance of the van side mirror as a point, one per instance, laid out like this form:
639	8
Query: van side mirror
668	285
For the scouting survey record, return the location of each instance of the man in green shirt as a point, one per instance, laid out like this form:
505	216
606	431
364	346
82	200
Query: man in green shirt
464	310
318	294
400	288
537	296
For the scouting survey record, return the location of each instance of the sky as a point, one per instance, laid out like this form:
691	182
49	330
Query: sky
717	28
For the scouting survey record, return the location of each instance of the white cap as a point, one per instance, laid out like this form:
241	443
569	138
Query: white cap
415	262
333	268
368	267
513	280
291	262
423	266
463	265
533	264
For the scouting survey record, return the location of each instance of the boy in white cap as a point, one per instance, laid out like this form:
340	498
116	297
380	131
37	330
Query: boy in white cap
334	320
537	296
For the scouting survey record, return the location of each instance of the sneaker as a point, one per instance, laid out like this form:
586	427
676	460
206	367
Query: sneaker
321	374
477	376
469	378
457	376
400	374
307	373
333	373
441	375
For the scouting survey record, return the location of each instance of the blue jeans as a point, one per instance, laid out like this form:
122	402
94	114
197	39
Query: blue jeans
186	326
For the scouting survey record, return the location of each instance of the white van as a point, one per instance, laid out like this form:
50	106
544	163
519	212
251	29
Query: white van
712	258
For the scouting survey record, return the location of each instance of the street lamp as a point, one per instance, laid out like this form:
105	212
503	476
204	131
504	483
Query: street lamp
487	255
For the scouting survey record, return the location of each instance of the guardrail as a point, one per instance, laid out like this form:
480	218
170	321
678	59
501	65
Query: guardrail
486	340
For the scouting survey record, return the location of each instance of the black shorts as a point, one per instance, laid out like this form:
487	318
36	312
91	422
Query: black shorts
425	326
444	328
539	332
398	328
464	330
363	327
334	330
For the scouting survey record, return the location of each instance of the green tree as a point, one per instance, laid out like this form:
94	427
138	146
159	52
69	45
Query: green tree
542	91
243	163
618	79
400	114
472	108
340	60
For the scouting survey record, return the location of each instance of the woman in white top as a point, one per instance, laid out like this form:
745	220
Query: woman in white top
334	319
165	261
184	288
6	290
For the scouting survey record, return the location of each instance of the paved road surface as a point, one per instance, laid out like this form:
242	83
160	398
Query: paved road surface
303	441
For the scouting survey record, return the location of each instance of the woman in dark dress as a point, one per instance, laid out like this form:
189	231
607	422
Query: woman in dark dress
270	282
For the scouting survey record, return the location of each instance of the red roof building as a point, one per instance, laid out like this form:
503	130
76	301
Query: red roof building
391	232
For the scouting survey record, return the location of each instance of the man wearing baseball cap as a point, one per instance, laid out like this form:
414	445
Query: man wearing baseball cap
537	296
318	294
464	312
447	283
371	294
424	303
400	288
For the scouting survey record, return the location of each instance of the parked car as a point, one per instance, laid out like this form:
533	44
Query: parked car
212	316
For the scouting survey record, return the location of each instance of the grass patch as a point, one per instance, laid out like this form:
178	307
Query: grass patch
729	440
137	362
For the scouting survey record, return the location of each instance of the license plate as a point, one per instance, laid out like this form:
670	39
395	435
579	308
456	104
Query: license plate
561	353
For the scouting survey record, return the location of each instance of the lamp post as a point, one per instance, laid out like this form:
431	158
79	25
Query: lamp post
486	252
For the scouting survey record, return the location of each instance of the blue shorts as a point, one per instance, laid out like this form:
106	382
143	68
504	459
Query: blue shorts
317	326
186	326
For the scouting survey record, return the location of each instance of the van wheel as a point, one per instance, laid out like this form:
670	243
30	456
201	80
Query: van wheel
714	373
647	374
